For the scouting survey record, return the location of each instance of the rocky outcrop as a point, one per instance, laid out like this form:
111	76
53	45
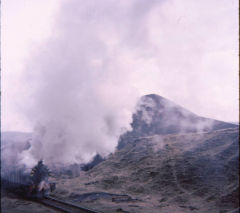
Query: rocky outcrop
158	115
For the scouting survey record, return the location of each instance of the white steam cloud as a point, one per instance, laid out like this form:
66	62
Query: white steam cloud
85	80
84	99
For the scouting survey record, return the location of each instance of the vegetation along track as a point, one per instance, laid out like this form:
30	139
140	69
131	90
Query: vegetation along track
64	206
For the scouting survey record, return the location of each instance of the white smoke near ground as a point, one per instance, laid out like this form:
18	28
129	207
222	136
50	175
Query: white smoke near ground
83	99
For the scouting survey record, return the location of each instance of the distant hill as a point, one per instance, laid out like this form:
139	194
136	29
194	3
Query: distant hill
236	123
158	115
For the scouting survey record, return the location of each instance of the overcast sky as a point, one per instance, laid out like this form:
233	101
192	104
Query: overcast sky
184	50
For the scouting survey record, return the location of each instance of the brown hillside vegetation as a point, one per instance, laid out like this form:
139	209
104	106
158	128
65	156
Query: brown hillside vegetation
172	173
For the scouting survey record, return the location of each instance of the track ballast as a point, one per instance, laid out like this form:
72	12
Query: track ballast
64	206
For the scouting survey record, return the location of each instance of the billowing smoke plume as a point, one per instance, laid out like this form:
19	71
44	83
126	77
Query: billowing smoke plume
82	99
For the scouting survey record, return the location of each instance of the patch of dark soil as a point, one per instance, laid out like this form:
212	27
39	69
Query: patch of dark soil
231	199
121	210
189	207
91	183
90	197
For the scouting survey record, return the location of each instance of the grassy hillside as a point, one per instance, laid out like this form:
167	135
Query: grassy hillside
172	173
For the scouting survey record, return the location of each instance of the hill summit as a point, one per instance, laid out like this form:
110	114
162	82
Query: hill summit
157	115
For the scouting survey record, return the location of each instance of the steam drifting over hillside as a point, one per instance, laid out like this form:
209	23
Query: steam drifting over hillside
85	80
84	100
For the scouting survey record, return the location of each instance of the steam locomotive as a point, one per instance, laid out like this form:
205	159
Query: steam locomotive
40	185
35	186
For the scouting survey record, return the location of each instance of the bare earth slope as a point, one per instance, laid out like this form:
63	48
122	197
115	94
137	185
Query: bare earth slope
172	173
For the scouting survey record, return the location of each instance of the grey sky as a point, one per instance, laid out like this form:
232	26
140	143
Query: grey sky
186	51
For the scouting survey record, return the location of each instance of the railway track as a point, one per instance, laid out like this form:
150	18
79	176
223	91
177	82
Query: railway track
64	206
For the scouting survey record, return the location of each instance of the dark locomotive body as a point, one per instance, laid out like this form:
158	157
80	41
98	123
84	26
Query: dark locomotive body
40	186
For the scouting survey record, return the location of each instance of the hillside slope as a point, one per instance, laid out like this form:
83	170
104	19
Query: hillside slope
172	173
